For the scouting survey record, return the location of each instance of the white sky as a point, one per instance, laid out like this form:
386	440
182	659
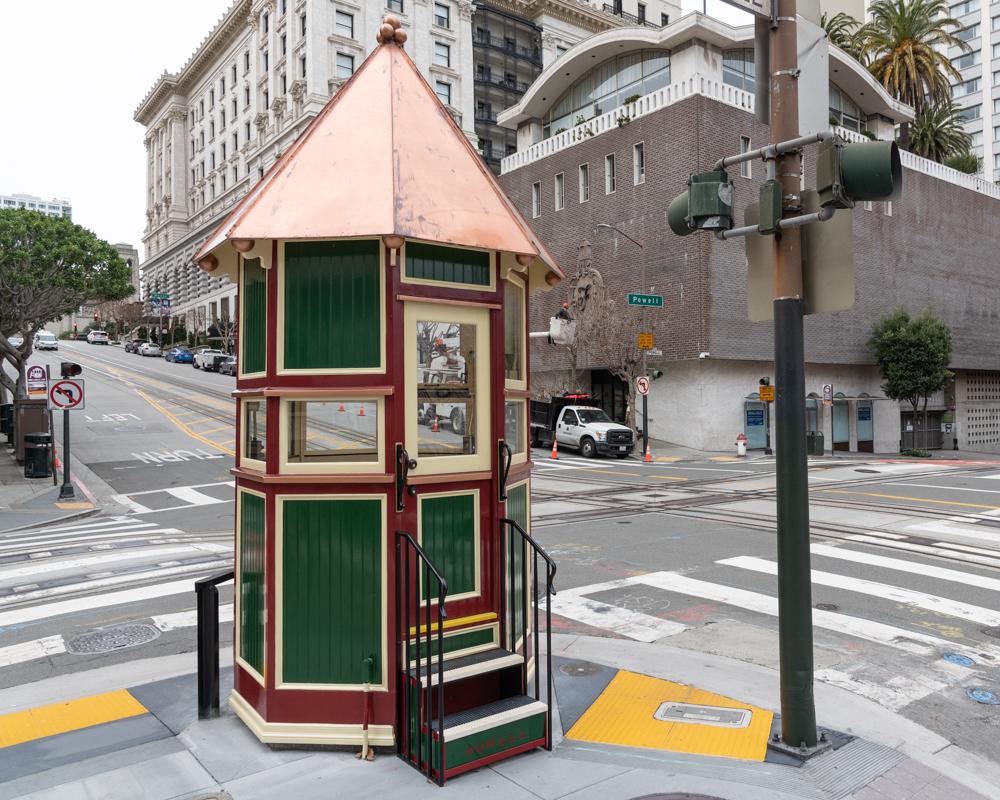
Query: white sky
73	74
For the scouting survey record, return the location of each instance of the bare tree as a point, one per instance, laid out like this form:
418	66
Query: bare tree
588	295
227	333
617	346
125	312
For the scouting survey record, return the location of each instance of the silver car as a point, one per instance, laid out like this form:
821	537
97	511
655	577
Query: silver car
149	349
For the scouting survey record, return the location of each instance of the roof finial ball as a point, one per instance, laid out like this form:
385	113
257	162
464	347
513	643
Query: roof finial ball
391	31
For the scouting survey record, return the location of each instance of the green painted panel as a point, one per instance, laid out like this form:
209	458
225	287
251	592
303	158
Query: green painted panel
434	263
331	590
453	643
491	741
517	510
253	337
333	305
448	535
251	579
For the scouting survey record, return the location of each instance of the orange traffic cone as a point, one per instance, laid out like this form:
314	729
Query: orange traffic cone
341	408
434	425
555	448
649	454
361	411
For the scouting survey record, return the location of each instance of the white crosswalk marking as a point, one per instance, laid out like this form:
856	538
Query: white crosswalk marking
61	565
915	567
29	651
947	551
189	495
635	625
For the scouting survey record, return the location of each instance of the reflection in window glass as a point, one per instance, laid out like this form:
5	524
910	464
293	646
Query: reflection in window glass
513	331
513	431
332	431
254	429
738	69
446	380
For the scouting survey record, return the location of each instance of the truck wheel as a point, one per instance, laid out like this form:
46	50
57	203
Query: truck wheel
588	449
458	421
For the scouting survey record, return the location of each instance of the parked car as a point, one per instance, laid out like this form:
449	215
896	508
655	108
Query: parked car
179	355
228	367
132	345
149	349
97	337
46	341
575	422
205	358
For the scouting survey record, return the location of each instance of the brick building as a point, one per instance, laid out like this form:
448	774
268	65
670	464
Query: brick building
933	248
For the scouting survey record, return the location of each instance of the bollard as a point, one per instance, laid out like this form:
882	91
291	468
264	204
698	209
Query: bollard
207	592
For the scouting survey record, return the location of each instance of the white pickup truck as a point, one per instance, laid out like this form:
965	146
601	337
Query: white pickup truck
581	427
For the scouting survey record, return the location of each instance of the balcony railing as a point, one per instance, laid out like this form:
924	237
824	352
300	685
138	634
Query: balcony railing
508	46
486	116
631	19
520	87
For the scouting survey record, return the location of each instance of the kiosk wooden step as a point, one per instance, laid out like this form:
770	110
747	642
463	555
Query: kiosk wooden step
468	666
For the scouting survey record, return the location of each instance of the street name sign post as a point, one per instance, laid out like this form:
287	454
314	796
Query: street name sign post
645	300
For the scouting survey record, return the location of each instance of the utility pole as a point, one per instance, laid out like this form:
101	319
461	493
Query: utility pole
795	633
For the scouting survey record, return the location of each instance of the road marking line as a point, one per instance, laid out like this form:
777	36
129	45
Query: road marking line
633	624
899	594
29	651
898	692
933	551
668	478
62	543
948	488
948	528
914	567
189	619
38	568
192	486
46	533
183	426
95	524
914	499
125	500
984	551
216	430
38	723
194	497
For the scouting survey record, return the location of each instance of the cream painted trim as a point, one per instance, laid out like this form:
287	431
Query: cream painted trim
475	287
329	467
482	460
492	721
239	340
280	332
508	382
522	457
477	542
307	733
237	593
479	668
245	460
467	651
279	643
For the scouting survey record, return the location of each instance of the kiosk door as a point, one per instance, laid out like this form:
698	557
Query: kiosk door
754	422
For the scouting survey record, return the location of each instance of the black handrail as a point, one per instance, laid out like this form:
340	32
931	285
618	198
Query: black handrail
405	545
504	458
207	592
508	628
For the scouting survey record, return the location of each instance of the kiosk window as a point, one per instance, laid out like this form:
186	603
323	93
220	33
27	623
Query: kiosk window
332	431
446	388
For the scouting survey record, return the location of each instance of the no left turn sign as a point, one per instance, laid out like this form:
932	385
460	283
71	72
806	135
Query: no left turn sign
66	395
642	385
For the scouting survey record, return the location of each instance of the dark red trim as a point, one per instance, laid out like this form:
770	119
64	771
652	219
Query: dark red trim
493	758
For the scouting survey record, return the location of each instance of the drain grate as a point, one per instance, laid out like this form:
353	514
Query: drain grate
118	637
679	796
579	669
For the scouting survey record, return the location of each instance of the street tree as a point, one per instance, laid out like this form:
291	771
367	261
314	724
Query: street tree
125	312
912	354
48	268
842	31
938	132
225	329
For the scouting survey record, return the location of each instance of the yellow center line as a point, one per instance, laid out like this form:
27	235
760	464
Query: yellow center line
216	430
906	497
667	478
173	418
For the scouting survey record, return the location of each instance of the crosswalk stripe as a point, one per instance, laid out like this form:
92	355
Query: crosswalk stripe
231	484
41	567
928	602
856	627
914	567
633	624
81	540
24	536
194	497
928	550
188	619
899	693
103	523
125	500
29	651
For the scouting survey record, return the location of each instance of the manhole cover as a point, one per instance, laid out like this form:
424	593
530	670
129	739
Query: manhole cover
958	658
678	796
984	696
994	631
875	471
670	711
579	669
118	637
827	606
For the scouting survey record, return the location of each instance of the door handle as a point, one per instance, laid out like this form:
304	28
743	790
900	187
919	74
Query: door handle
403	466
504	457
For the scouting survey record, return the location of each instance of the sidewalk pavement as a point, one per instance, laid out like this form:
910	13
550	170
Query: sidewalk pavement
162	752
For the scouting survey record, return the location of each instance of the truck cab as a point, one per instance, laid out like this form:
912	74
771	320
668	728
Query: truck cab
574	423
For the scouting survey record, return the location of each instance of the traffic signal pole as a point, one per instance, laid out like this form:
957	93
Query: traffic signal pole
795	635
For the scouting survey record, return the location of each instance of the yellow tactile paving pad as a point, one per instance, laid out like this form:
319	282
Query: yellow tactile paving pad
37	723
623	715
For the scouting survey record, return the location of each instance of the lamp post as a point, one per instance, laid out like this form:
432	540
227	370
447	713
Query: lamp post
642	323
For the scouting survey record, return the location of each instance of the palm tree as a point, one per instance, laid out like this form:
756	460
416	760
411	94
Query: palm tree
904	44
967	162
842	30
938	132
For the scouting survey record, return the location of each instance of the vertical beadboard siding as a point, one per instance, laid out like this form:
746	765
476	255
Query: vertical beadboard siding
254	305
448	535
251	580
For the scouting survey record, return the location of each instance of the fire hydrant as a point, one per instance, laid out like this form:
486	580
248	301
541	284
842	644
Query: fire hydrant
741	444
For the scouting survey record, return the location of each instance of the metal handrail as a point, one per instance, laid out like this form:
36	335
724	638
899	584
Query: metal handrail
405	545
508	630
207	592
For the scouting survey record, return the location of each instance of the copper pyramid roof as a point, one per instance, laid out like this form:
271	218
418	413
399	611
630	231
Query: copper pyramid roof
383	157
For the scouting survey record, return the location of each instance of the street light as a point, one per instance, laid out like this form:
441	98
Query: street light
642	323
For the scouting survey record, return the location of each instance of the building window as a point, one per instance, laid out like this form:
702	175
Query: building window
560	191
345	24
265	21
746	168
965	7
302	67
442	54
967	59
442	15
211	98
222	86
201	109
536	200
642	13
968	33
284	83
584	178
267	99
970	112
201	140
966	87
738	69
345	65
284	44
222	151
845	110
222	119
394	5
638	163
235	108
246	132
443	91
236	141
267	61
609	174
234	74
246	97
664	20
284	6
246	61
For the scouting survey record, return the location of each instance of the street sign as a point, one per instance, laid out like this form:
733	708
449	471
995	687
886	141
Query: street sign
645	341
827	394
767	394
37	381
654	351
160	296
66	394
762	8
647	300
36	373
642	385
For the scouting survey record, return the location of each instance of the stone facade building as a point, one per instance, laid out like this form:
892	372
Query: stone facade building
933	248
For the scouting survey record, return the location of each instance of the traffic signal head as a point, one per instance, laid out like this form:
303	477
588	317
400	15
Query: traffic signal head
847	172
69	370
75	326
765	381
654	374
707	205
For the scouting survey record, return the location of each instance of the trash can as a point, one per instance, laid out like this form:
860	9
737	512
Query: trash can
37	455
7	420
814	443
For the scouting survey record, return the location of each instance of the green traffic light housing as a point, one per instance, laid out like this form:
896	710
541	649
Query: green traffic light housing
707	205
654	374
69	370
847	172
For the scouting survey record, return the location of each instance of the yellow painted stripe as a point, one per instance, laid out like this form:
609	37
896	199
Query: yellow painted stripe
667	458
80	504
906	497
623	715
667	478
454	623
37	723
186	428
726	459
216	430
